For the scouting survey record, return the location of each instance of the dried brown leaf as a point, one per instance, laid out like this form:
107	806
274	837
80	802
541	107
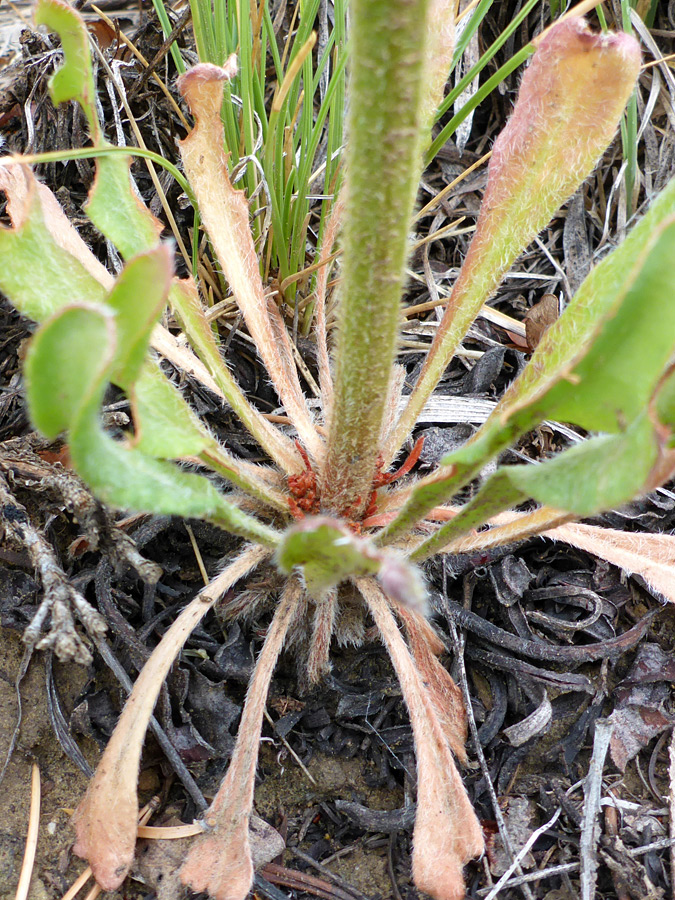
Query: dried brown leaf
220	862
225	213
106	819
444	693
538	319
635	724
329	239
447	833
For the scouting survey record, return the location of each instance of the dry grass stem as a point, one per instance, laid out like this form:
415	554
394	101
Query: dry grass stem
31	837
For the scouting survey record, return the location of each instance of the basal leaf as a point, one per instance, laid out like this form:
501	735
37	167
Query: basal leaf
36	272
225	213
569	105
187	308
327	553
74	79
117	211
138	298
167	428
67	372
599	474
85	334
597	366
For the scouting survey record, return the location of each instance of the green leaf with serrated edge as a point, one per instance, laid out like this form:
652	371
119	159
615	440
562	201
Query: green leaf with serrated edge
138	298
128	479
601	473
327	553
74	79
67	371
599	364
40	276
36	273
596	366
117	211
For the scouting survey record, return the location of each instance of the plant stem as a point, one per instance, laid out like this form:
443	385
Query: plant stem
383	165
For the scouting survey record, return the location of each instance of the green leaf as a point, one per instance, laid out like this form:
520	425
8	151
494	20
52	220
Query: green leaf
138	298
37	274
85	334
74	80
117	210
597	366
166	426
665	401
599	474
613	382
67	371
327	553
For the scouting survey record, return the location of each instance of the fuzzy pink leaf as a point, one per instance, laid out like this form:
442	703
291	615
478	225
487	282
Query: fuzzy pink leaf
106	819
568	108
221	862
225	213
652	556
447	833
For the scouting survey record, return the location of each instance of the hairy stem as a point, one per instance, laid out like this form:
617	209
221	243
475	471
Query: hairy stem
383	166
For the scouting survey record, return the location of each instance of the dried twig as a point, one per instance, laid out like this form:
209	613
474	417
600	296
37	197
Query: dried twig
524	850
60	600
590	829
23	668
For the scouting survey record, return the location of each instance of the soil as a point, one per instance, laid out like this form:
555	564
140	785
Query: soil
62	782
352	733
